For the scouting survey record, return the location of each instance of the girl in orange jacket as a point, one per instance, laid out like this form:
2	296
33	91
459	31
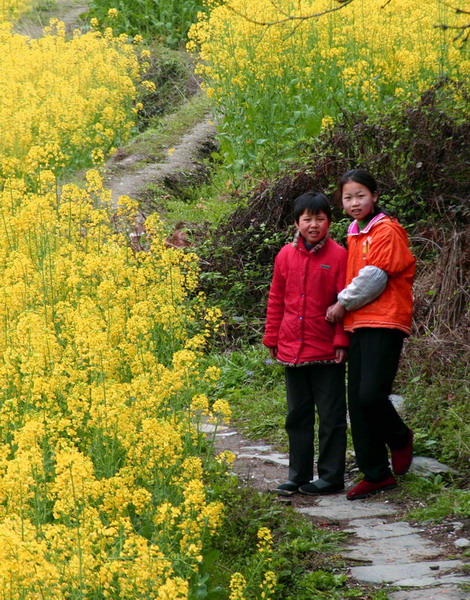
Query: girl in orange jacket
376	306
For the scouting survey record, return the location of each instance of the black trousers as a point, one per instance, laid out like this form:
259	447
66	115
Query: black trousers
375	424
323	387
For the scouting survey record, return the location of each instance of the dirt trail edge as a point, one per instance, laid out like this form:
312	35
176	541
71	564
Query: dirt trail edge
387	550
67	11
183	164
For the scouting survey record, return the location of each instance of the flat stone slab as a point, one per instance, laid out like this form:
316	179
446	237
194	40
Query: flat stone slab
403	543
337	508
403	548
423	465
378	529
257	448
275	458
419	574
444	592
397	401
211	428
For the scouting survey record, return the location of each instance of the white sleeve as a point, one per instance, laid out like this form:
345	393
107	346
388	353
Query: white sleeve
367	286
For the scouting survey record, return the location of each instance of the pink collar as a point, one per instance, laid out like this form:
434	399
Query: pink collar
353	229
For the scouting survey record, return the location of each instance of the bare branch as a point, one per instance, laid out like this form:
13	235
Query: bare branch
287	17
458	10
463	31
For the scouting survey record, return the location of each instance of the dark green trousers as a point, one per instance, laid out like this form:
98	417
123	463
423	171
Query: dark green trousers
373	360
320	387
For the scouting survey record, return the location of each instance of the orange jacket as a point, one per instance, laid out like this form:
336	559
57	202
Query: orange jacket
383	243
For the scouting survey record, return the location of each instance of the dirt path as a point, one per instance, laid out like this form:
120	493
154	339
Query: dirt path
67	11
411	563
182	164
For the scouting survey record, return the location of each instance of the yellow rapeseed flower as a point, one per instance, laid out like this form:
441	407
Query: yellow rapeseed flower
237	587
98	382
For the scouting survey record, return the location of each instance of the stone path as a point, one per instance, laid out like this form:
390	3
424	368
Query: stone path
383	549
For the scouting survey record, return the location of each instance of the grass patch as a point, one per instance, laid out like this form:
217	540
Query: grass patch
165	132
305	558
434	498
206	204
436	396
442	504
171	127
172	72
254	386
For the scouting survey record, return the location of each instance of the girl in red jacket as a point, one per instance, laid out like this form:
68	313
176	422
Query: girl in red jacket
376	306
308	275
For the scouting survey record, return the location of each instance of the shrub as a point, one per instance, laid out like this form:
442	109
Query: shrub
417	151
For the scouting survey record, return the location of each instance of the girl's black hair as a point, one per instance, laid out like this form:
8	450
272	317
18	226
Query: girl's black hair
363	177
359	176
313	203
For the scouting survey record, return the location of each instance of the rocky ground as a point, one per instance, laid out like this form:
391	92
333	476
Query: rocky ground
414	563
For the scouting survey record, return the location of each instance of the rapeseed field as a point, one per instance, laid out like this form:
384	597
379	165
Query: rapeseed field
102	465
11	10
280	71
105	476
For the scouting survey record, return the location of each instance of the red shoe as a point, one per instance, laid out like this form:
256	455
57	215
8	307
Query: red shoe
368	488
402	458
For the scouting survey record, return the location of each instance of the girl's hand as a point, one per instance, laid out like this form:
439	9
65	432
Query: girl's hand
273	353
335	313
341	355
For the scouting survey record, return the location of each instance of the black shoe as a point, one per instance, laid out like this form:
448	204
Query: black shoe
286	489
315	489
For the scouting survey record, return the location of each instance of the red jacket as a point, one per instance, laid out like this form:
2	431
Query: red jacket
304	285
383	243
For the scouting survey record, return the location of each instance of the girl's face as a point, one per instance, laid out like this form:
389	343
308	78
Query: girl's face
358	200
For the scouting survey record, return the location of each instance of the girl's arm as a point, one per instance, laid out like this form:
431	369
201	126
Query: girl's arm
389	255
369	283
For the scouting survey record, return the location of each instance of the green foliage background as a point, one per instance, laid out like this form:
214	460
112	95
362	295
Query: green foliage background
166	21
